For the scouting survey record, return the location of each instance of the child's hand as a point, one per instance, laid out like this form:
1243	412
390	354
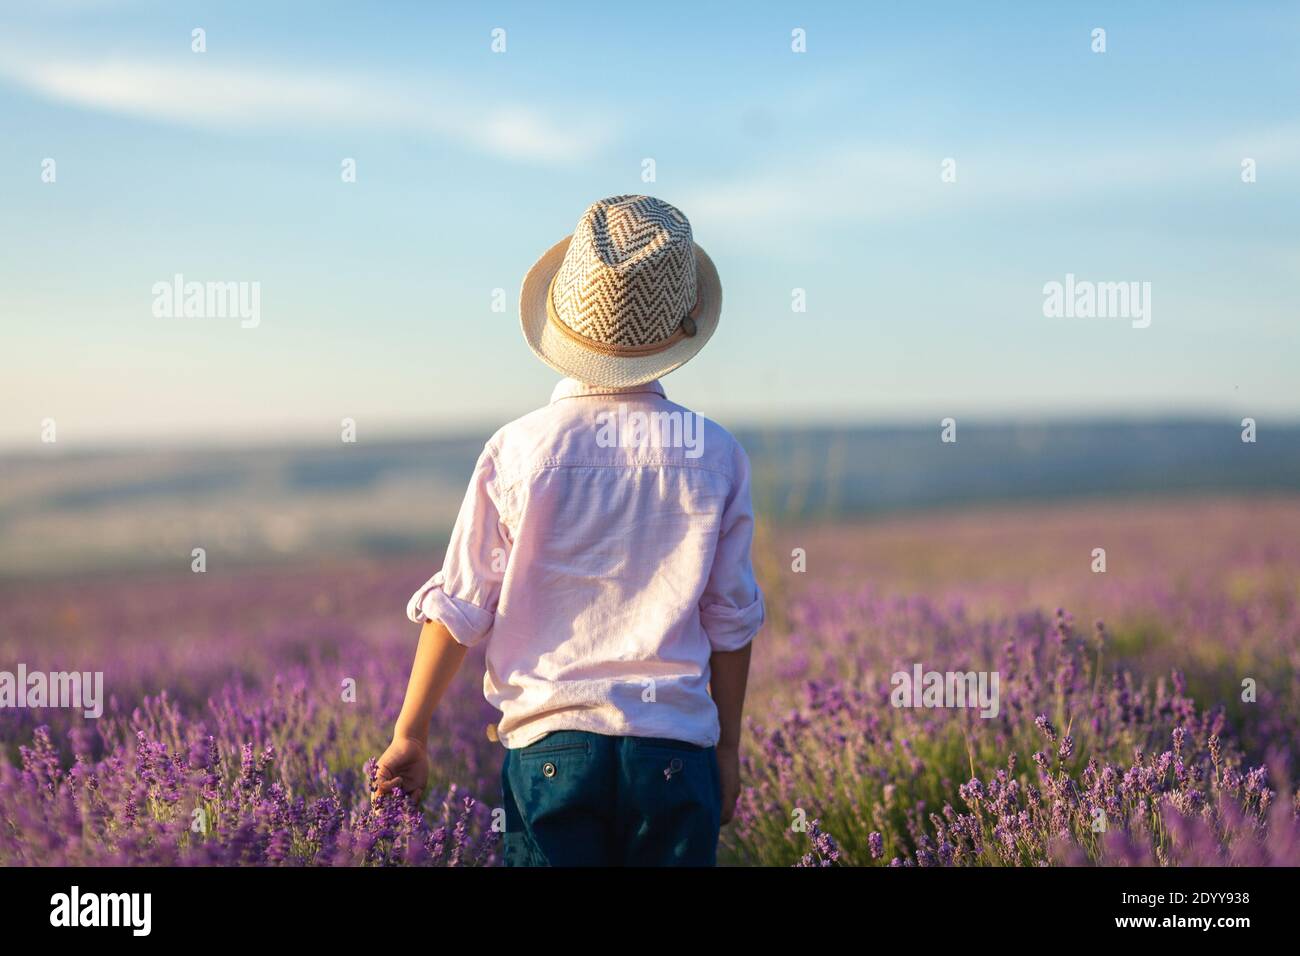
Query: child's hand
729	777
405	764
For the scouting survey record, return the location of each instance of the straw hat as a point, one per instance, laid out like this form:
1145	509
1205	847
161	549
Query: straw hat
626	299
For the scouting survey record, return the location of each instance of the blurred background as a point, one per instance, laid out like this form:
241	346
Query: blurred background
866	297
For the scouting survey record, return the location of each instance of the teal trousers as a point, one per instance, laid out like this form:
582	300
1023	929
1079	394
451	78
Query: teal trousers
581	799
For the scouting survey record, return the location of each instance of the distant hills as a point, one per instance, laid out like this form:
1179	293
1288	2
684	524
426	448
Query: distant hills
65	511
861	470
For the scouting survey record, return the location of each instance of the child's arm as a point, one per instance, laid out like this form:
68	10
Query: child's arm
729	673
405	763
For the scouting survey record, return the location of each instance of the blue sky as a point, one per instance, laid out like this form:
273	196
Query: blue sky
818	171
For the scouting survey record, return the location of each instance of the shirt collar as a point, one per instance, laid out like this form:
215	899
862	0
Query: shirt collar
572	388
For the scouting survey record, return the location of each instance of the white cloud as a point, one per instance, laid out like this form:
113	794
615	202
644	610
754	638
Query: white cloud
208	95
853	183
860	184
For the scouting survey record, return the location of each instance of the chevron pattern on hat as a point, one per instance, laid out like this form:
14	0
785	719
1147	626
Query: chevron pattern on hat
628	277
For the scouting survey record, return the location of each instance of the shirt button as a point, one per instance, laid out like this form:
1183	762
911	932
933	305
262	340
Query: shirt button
548	769
675	764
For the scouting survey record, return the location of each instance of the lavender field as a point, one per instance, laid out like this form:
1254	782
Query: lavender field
230	733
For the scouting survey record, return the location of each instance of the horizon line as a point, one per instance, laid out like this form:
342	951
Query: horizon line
403	435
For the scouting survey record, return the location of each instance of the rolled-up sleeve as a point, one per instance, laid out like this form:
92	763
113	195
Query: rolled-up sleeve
464	594
731	607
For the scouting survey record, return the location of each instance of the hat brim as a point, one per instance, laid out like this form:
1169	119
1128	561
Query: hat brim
571	358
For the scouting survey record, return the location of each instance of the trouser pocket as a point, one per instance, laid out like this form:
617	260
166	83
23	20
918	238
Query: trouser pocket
562	792
672	803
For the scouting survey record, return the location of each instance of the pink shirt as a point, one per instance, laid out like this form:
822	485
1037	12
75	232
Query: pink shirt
603	552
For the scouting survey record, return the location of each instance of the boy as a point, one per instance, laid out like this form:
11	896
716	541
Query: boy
603	552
